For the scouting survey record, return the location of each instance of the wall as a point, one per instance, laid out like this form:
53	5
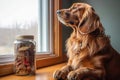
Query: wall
109	13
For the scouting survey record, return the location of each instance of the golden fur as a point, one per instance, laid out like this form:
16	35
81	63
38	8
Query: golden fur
91	56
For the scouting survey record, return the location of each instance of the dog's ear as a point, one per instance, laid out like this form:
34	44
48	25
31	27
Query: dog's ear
89	21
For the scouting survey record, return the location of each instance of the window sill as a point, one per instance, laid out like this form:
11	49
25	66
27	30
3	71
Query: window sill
41	61
45	73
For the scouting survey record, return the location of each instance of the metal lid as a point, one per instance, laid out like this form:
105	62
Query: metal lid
21	37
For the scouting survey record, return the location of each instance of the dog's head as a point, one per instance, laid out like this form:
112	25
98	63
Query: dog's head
80	16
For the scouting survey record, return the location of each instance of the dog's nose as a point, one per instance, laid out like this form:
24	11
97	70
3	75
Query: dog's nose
58	11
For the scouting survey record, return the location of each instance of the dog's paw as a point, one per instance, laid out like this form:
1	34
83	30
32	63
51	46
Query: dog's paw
73	76
77	76
59	75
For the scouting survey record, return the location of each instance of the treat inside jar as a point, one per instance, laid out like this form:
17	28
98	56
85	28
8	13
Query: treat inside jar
24	58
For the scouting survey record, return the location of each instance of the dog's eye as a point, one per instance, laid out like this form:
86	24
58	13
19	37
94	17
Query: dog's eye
67	14
75	17
71	22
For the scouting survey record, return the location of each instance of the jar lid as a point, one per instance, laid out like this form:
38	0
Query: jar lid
20	37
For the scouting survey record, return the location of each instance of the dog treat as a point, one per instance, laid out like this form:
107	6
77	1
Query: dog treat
24	55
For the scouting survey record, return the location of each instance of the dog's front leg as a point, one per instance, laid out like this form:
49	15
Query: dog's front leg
62	73
86	74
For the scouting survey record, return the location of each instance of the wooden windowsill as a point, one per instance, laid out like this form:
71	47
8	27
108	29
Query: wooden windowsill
45	73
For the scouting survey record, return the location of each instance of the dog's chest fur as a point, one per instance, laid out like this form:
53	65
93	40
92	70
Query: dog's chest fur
75	44
76	47
77	63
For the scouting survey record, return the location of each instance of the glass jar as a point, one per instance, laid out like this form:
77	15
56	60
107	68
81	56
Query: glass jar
24	49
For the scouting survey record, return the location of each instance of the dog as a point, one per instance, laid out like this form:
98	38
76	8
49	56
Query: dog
90	54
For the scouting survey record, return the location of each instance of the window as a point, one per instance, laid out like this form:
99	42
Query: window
34	18
16	17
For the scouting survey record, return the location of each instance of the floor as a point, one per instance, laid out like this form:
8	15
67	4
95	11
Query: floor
41	74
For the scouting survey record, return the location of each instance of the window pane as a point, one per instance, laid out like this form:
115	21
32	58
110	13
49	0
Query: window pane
17	17
22	17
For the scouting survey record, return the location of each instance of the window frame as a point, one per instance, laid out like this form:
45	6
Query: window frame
43	60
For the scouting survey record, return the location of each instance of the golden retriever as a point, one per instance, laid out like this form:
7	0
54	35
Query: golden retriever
91	56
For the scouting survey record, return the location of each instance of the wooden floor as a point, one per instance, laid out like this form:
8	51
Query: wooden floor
41	74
